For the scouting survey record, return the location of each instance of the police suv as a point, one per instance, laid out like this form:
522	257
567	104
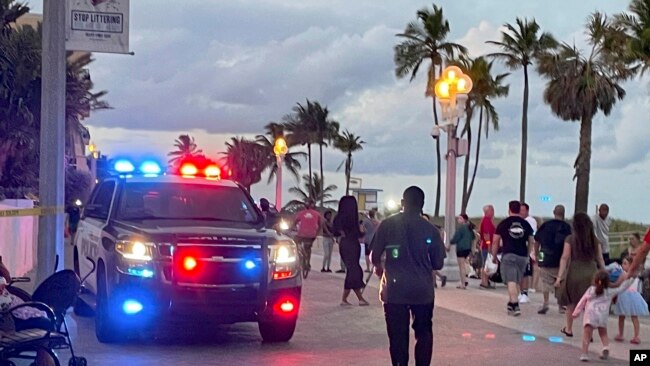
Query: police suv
188	246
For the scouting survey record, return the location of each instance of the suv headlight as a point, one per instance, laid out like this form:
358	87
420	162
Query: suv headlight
283	258
135	250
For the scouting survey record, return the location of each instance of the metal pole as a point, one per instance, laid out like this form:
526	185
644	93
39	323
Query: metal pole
52	155
451	263
278	184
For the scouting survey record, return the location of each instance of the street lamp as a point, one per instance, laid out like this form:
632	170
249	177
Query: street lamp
451	89
280	149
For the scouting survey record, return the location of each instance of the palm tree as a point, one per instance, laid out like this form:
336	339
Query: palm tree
425	40
519	48
246	160
185	147
636	24
579	86
348	143
10	11
301	128
313	190
273	131
326	131
486	86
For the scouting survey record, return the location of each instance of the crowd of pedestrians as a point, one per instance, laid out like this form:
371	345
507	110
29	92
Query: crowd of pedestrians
570	260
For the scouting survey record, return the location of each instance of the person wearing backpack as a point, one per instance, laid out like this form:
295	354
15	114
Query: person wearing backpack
549	243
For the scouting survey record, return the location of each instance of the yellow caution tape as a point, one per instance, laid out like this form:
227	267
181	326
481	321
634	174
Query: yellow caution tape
39	211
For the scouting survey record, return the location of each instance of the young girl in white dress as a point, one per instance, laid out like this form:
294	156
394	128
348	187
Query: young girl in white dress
595	303
630	303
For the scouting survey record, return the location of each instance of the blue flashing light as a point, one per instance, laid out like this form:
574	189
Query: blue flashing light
555	339
124	166
150	167
429	241
132	307
528	338
249	264
141	272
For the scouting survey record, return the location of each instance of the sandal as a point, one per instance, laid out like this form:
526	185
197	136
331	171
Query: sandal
345	303
619	338
563	331
635	340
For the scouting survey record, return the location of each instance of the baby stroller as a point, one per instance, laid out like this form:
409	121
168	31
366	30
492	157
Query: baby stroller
54	296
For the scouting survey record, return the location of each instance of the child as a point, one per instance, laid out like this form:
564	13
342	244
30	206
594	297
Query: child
630	303
595	303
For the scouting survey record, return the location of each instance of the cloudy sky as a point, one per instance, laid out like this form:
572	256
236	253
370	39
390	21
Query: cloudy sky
216	69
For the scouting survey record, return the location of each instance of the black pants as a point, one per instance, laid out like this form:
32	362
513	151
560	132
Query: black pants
397	323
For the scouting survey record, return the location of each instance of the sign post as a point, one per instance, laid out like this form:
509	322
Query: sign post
52	167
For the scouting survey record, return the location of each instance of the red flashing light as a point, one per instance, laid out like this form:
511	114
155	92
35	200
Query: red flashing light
212	171
286	306
189	263
189	169
282	275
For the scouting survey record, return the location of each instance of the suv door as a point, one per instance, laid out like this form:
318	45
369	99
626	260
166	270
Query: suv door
89	234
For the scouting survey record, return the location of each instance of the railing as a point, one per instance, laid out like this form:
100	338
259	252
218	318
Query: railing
618	242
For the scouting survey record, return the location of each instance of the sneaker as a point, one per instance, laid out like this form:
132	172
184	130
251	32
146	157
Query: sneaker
513	310
584	357
523	299
328	270
340	271
323	270
543	310
443	281
605	354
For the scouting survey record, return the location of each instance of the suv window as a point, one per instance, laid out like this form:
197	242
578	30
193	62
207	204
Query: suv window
176	201
102	200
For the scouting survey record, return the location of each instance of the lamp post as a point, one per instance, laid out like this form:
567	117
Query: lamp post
280	149
451	89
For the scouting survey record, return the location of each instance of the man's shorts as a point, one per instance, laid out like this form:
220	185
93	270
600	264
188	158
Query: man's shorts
547	277
513	267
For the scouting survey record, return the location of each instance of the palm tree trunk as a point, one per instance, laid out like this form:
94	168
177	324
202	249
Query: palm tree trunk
583	166
322	178
311	189
478	151
438	166
348	173
468	128
524	139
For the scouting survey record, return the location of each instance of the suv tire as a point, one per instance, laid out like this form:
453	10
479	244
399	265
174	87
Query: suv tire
105	328
276	331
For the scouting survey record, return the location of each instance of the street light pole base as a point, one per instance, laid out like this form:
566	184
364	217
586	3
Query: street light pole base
450	268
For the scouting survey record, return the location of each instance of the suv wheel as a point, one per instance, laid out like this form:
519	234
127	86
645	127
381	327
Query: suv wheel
105	328
275	331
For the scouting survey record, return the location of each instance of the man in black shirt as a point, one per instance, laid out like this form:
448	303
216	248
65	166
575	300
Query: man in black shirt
549	244
414	250
270	218
517	237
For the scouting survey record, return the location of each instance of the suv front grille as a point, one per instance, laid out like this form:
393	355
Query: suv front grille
217	265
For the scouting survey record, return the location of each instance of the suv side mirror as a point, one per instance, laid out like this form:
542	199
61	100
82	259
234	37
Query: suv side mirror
94	211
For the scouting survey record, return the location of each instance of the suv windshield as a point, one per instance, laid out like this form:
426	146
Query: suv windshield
176	201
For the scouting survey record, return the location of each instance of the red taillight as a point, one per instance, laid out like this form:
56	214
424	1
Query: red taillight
212	171
189	263
285	306
189	169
